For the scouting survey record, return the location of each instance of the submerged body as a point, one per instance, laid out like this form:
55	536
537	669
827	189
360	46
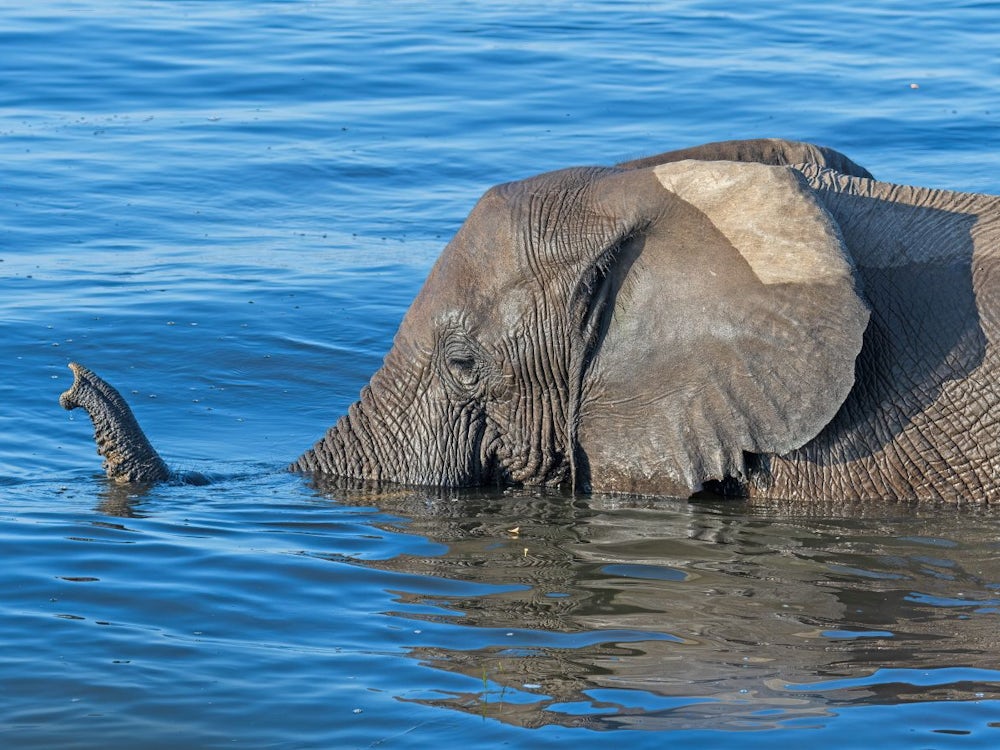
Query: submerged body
704	319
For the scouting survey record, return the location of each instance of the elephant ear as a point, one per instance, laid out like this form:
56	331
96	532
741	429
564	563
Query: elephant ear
728	323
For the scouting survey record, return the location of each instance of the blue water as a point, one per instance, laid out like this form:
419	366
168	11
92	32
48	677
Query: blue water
225	208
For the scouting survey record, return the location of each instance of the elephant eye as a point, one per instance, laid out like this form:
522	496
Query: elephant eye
463	368
462	363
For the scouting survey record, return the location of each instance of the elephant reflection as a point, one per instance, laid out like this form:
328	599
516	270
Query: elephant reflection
616	606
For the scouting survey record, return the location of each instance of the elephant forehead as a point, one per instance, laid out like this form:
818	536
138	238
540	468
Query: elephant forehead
463	289
768	215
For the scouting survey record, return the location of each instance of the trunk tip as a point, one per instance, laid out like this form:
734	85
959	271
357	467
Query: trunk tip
68	400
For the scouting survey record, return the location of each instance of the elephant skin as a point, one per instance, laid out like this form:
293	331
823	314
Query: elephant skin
759	318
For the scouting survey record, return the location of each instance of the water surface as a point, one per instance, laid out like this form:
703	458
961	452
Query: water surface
225	208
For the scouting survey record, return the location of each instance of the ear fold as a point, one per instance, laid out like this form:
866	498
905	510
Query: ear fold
732	323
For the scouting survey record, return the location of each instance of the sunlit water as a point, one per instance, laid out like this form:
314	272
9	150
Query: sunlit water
225	208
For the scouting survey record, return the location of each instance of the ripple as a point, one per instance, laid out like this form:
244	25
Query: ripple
226	208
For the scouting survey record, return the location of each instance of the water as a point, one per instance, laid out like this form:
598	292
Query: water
225	208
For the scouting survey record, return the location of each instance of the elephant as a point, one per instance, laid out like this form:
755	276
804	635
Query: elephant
758	318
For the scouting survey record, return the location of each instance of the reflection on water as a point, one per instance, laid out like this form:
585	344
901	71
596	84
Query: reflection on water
635	612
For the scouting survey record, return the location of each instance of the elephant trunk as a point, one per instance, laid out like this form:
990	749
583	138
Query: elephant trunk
128	454
401	431
347	449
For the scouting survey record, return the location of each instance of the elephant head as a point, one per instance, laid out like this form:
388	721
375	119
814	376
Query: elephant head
632	328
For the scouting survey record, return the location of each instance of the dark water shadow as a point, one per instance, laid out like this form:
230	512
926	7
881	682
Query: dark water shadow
122	500
615	612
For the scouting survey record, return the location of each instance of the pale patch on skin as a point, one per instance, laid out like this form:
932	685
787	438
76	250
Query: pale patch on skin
768	213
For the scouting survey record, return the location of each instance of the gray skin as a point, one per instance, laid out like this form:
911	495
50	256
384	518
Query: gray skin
713	319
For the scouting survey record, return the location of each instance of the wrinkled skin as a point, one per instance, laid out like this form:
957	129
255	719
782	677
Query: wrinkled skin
759	318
